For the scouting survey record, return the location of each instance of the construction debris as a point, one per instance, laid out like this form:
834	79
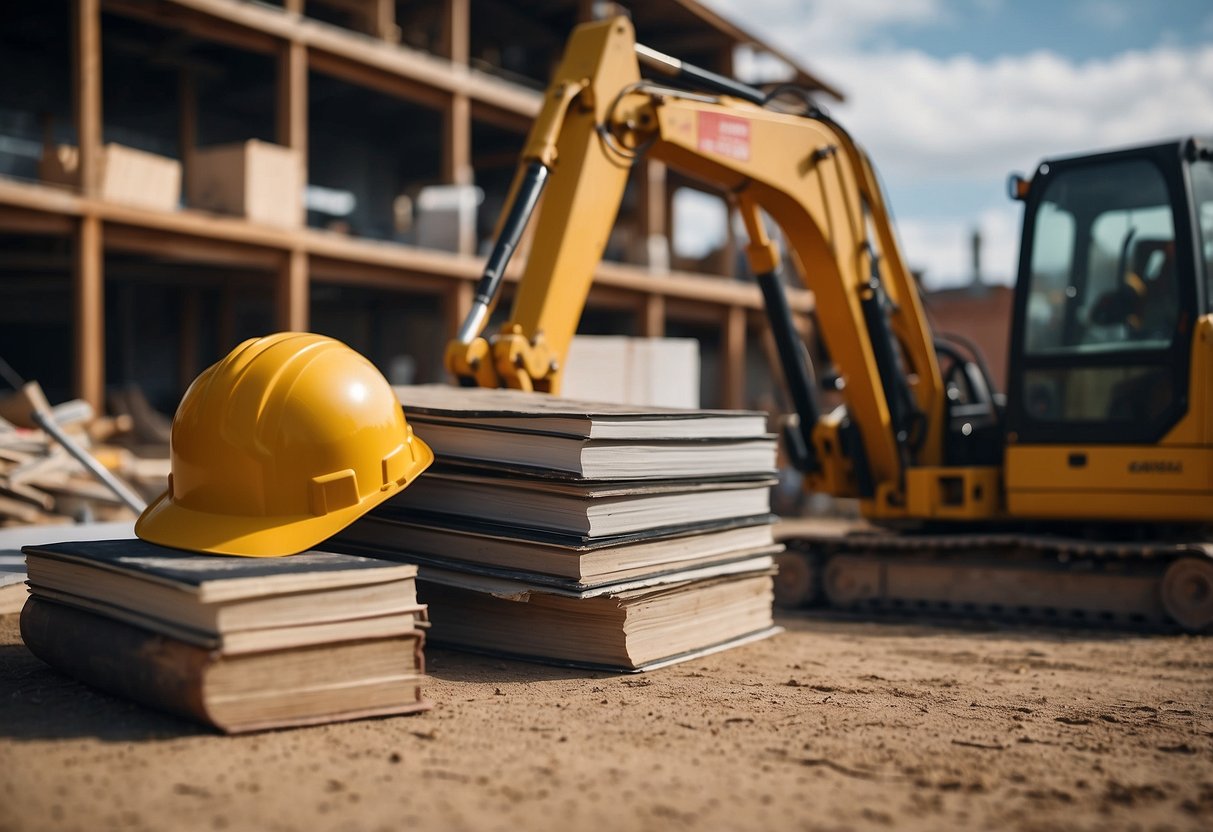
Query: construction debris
41	482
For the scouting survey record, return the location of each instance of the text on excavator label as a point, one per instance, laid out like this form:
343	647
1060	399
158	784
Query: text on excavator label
1156	466
724	135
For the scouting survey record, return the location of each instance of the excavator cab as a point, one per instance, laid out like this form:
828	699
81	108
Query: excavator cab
1108	346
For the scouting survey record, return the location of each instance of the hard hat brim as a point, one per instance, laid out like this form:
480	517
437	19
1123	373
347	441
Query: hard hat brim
169	524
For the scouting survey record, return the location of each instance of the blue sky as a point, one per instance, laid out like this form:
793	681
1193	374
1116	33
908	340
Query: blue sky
949	96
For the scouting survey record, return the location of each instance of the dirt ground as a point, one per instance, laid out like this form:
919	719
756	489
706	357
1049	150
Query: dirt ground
836	724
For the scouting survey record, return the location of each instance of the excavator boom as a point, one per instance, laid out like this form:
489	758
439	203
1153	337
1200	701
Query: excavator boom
1095	430
599	117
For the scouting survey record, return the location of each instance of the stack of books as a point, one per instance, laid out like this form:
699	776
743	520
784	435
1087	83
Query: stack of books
598	535
241	644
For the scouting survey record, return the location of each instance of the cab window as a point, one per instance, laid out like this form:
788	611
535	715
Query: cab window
1103	303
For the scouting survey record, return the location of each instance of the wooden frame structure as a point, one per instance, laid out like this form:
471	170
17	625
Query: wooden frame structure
299	256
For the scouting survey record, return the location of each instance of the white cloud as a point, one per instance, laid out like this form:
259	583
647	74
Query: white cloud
829	24
958	117
942	121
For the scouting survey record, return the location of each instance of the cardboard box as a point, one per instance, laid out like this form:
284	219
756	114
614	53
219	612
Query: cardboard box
662	372
445	216
259	181
132	177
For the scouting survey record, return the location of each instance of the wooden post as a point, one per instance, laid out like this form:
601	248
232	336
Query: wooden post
227	316
457	302
291	293
653	217
383	20
652	322
88	295
292	100
88	288
731	245
188	115
455	31
86	89
457	117
187	337
291	296
732	357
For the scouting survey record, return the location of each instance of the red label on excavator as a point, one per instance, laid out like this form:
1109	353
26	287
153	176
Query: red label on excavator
724	135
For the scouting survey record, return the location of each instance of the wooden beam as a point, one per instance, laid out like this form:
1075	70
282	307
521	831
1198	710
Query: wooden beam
183	248
292	106
457	162
207	230
652	317
376	78
291	293
187	336
188	117
457	302
88	308
86	91
226	330
457	141
456	29
322	270
383	20
654	222
291	122
732	357
503	119
404	63
167	15
22	221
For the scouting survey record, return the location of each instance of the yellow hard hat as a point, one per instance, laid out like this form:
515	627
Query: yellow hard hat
280	445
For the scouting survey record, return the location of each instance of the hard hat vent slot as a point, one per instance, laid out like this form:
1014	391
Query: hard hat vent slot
333	492
396	466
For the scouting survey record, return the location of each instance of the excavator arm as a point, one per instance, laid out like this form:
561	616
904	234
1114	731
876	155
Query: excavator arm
804	172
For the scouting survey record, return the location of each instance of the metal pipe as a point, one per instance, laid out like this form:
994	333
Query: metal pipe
697	77
520	211
121	489
797	369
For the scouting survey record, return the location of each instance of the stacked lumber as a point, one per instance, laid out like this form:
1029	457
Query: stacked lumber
42	483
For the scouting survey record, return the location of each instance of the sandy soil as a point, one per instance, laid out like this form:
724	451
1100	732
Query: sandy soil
837	724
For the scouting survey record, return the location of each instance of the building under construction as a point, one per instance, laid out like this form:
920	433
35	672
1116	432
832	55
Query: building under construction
178	175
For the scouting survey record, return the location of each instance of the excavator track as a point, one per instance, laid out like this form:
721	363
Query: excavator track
1160	585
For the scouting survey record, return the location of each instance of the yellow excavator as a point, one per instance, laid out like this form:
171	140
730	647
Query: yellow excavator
1082	494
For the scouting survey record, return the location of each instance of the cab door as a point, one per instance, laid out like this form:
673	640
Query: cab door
1100	419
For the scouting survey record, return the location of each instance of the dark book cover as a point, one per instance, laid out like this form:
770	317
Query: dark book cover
191	572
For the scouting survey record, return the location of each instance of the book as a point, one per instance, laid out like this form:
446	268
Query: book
577	560
540	413
540	433
630	626
228	602
12	561
234	693
602	459
592	509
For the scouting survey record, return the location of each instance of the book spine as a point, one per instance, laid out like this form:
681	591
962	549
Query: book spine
119	658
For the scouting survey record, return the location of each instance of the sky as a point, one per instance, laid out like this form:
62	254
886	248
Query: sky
950	96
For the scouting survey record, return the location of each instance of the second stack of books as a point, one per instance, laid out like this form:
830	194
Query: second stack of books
596	535
242	644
